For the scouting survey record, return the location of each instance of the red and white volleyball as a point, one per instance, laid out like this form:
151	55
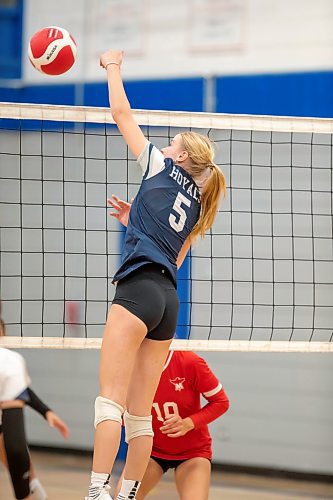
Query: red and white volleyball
52	50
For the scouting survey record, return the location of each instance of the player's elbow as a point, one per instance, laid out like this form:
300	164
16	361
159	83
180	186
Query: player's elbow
116	111
223	406
119	112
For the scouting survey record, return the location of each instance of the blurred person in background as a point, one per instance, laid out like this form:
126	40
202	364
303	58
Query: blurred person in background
15	393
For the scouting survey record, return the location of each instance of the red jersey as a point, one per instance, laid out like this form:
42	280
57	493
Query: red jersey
184	379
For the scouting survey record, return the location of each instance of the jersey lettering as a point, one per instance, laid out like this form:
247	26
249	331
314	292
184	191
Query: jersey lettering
177	176
179	225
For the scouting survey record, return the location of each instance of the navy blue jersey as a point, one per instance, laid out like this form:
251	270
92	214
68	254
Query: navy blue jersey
162	216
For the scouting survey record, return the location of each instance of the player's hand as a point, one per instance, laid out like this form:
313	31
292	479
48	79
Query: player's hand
54	421
177	426
111	56
122	209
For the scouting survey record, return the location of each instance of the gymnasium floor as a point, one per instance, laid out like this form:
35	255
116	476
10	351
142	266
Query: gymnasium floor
65	477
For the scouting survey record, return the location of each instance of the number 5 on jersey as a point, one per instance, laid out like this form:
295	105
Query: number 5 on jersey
178	225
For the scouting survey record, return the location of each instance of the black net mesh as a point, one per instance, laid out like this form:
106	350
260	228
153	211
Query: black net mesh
264	272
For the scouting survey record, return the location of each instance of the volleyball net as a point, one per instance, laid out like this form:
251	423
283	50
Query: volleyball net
262	278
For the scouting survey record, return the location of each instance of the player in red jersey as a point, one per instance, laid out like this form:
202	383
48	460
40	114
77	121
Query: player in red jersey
181	438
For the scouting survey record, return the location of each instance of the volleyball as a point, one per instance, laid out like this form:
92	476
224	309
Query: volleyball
52	50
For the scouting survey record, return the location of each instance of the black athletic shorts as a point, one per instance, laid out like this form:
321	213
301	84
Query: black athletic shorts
150	294
166	464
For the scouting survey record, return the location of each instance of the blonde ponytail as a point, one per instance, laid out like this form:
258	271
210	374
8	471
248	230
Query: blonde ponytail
215	186
201	153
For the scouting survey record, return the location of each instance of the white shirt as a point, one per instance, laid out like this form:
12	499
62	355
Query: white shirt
14	378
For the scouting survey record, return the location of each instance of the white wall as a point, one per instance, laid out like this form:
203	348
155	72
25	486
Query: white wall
280	414
191	37
280	411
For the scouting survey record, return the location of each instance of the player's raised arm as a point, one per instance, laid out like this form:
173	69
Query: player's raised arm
120	107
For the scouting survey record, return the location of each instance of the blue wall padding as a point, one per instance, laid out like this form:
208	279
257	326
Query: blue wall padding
290	94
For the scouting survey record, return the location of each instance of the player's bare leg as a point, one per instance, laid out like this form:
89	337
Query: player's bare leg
152	477
123	335
146	374
3	458
193	479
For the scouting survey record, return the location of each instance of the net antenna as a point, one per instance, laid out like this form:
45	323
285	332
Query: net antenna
261	280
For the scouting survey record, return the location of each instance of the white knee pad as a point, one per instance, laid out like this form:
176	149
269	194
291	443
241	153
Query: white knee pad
105	409
137	426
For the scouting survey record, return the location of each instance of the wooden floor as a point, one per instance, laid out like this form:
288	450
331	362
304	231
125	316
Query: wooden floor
66	477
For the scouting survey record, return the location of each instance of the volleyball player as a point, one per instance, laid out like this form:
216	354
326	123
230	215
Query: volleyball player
177	201
181	438
14	381
13	446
